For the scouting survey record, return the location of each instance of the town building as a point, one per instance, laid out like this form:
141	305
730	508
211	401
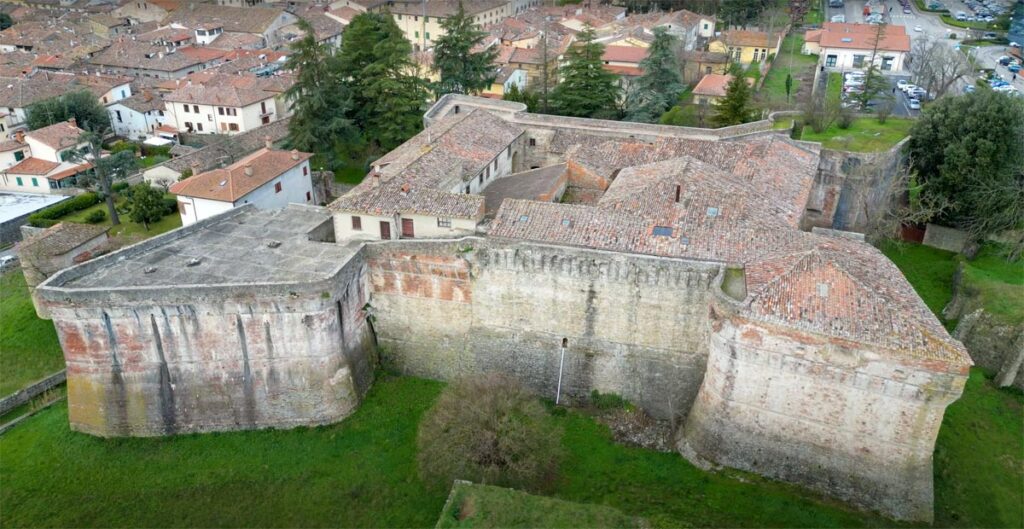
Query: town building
852	46
747	46
51	159
220	109
137	117
262	23
58	247
712	88
267	179
420	22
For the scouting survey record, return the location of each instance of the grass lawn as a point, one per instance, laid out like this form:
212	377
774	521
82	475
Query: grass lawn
789	61
29	349
929	270
865	135
979	459
350	174
127	227
484	506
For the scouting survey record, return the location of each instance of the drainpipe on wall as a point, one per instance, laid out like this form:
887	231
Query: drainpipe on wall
561	362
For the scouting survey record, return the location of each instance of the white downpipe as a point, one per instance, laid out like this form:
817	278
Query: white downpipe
561	362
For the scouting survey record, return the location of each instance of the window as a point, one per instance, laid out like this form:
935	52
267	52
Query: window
195	108
186	109
662	231
35	182
858	61
444	223
224	126
467	189
122	94
495	164
18	179
119	120
277	187
481	178
415	18
199	126
220	110
488	173
830	61
428	35
417	34
357	223
399	17
233	127
707	69
426	20
188	126
309	196
508	153
19	156
533	142
263	107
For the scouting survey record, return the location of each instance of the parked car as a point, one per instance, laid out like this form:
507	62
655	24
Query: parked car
908	87
960	15
918	93
8	261
1014	68
839	19
902	83
1004	60
990	35
914	104
918	29
969	89
906	10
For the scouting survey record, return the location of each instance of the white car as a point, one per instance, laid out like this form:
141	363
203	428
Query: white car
918	29
908	87
914	104
839	19
8	261
902	83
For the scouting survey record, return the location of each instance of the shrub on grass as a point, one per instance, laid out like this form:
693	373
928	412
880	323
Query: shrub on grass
96	217
607	401
846	117
489	429
49	216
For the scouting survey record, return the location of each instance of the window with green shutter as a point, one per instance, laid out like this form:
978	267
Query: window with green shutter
35	182
19	155
18	178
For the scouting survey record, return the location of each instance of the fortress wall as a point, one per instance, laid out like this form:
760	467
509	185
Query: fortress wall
839	419
852	189
157	361
635	326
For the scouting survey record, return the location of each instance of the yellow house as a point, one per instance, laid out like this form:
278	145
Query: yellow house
421	22
745	47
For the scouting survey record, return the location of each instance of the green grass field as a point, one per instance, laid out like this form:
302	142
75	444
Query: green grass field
127	227
789	61
29	349
865	135
483	506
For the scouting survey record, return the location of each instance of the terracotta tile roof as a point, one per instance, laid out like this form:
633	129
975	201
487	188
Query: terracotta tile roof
423	174
33	166
232	19
69	172
632	54
748	38
705	57
61	239
863	37
628	71
444	8
10	145
143	102
712	84
58	136
218	95
813	35
232	183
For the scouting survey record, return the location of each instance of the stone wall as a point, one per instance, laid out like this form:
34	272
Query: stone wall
848	422
996	346
160	361
632	325
852	189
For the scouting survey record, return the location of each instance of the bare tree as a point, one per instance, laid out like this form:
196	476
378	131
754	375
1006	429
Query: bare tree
897	203
936	66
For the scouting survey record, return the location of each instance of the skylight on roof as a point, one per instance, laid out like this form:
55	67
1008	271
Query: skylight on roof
524	218
847	39
662	231
713	212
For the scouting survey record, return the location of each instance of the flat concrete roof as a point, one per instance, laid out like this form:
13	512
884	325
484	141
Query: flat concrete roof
234	248
535	184
14	205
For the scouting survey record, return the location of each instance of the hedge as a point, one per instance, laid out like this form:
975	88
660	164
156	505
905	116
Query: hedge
48	217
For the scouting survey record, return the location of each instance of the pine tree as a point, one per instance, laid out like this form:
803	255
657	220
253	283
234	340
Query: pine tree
654	92
587	89
462	70
735	108
387	94
319	99
528	97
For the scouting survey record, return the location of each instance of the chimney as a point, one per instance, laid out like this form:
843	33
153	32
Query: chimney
376	178
248	169
405	188
73	122
267	143
20	135
679	190
196	169
295	155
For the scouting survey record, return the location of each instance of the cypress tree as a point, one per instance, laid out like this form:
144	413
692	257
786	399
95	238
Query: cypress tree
462	70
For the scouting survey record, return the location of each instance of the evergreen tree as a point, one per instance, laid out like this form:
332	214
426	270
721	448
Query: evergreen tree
462	70
529	97
587	90
388	95
659	87
146	204
82	105
736	107
319	99
5	21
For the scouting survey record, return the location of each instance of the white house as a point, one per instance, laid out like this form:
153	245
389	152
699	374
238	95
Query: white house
48	161
851	46
267	178
138	116
223	109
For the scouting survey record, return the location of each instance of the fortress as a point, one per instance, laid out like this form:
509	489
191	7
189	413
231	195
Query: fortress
684	269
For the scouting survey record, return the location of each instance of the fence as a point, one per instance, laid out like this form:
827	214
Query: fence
26	394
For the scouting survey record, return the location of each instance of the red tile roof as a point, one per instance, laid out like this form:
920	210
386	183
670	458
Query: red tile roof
712	84
633	54
232	183
863	37
33	166
58	136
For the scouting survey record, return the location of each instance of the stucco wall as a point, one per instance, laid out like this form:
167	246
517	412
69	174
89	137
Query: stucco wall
851	423
165	360
634	325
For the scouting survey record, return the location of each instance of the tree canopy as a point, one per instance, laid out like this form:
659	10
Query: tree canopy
320	99
5	21
462	70
82	105
146	204
654	92
587	90
737	106
968	155
105	170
